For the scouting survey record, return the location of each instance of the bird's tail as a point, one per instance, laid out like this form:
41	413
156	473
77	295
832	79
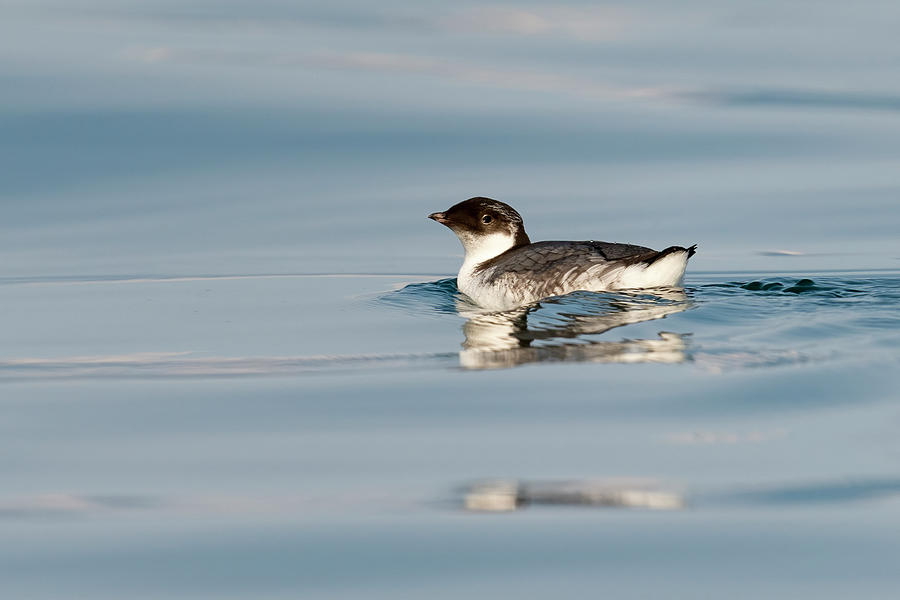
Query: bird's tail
671	250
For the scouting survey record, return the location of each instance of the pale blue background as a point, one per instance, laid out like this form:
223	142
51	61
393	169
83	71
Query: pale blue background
210	387
185	137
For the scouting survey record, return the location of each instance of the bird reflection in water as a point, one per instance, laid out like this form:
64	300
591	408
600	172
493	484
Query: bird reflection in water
509	495
555	330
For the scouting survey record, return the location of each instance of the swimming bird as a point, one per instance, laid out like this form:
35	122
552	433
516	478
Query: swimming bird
504	269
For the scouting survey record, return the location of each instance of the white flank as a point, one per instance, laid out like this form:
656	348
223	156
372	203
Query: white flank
667	271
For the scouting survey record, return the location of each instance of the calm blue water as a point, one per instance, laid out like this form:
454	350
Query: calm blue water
235	364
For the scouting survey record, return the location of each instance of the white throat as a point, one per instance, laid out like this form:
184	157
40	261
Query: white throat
483	247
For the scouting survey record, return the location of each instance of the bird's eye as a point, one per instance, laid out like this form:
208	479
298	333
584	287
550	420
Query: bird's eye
486	219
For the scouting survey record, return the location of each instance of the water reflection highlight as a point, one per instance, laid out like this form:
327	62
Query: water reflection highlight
560	329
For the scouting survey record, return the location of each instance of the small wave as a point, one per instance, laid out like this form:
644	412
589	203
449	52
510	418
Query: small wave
439	297
800	98
829	288
808	493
